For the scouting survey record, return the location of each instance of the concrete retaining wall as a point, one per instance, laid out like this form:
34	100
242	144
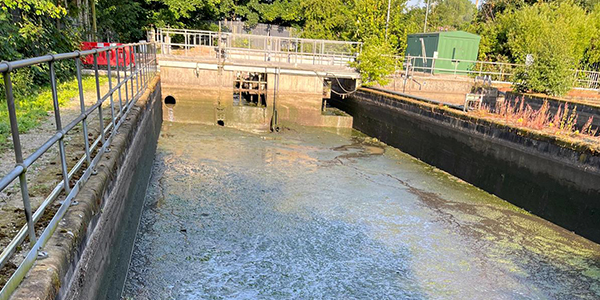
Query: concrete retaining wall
551	178
178	77
206	96
90	250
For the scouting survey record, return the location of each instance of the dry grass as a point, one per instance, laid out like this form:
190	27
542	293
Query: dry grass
562	123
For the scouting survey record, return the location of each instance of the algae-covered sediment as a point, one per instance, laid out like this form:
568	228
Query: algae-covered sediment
323	213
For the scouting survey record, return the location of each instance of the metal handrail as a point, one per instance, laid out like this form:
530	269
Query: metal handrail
318	52
247	35
142	68
503	71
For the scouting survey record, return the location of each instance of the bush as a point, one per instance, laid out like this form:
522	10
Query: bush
556	35
375	62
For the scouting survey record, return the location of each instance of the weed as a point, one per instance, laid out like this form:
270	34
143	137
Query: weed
520	114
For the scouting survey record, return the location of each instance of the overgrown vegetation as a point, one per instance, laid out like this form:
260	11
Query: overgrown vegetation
558	36
561	123
375	62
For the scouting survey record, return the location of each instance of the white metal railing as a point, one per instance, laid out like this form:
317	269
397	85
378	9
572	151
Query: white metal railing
134	68
587	79
498	72
258	47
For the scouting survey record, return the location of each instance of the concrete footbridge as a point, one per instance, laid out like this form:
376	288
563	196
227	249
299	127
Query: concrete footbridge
210	50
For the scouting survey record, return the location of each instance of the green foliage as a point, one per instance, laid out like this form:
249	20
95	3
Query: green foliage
451	14
592	53
376	61
122	20
555	34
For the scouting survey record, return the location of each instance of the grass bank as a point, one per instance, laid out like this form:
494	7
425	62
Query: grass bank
33	108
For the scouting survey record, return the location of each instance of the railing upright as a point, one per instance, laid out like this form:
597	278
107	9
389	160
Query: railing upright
118	80
14	129
131	72
58	123
125	77
86	142
112	105
99	102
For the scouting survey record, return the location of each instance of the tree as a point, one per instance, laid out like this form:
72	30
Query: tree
376	61
556	35
451	14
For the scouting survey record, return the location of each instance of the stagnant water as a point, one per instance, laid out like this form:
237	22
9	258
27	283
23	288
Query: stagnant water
331	214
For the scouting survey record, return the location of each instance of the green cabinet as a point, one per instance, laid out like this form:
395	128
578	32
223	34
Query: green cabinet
448	52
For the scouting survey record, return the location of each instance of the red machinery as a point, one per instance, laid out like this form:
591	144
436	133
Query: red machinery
89	59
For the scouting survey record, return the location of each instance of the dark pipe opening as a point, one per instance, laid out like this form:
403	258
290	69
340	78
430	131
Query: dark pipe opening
221	123
170	101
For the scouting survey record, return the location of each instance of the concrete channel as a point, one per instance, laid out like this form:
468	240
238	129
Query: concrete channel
208	204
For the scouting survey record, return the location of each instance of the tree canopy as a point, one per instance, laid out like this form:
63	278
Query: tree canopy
561	35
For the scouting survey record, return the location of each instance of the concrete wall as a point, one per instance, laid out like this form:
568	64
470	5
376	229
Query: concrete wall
89	252
213	79
555	180
204	97
444	88
191	78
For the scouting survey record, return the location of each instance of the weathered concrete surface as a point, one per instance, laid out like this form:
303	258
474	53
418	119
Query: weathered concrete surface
444	88
549	177
179	77
208	106
322	213
89	238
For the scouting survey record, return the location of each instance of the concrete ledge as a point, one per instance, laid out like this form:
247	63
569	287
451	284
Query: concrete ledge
548	176
80	249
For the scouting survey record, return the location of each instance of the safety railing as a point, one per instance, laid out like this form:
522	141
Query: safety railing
257	47
495	71
131	81
587	79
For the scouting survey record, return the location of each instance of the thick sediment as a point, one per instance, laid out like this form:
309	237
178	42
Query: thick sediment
550	177
314	213
98	233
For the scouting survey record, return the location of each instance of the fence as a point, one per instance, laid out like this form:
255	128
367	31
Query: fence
131	80
496	71
260	47
587	79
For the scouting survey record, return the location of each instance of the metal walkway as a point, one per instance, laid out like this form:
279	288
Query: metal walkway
209	50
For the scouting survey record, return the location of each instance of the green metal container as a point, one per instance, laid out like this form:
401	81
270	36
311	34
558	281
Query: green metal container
448	52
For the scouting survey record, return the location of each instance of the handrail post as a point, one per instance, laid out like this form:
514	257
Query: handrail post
125	76
82	106
61	141
119	81
112	105
131	72
137	69
14	128
99	101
